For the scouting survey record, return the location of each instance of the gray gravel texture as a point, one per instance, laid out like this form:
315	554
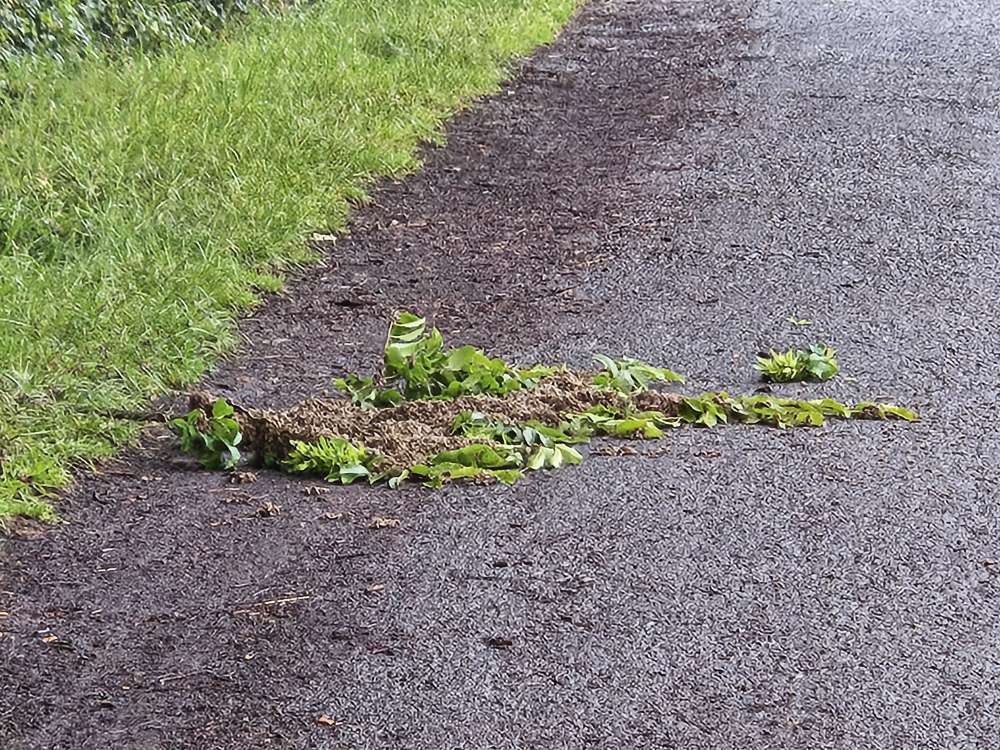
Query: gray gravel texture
670	180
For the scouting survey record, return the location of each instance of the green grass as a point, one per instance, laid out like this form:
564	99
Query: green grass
146	203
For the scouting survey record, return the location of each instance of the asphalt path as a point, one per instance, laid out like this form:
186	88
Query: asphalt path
672	181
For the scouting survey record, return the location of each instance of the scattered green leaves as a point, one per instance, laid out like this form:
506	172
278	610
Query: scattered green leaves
630	376
505	463
785	412
437	474
552	457
211	438
364	393
713	408
707	410
482	455
818	363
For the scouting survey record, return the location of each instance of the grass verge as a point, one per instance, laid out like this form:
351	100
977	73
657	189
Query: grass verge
146	202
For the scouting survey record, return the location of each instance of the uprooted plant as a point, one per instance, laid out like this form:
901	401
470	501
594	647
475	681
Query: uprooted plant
437	415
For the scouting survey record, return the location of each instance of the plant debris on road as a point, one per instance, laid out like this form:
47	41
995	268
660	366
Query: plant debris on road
439	415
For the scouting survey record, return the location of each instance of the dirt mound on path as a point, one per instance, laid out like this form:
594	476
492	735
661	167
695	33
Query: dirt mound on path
413	431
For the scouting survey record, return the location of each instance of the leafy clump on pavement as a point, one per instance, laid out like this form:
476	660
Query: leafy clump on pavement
211	435
620	423
819	362
475	461
417	366
335	459
439	415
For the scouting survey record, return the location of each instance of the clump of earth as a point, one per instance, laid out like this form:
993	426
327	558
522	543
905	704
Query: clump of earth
414	431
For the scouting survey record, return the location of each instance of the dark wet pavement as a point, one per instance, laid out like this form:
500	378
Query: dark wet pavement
670	181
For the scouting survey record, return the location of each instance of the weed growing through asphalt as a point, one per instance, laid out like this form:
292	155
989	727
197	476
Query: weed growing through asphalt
437	415
819	362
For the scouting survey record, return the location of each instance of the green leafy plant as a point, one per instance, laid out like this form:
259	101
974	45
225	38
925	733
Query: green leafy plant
211	438
416	366
708	409
479	460
819	362
335	459
629	376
